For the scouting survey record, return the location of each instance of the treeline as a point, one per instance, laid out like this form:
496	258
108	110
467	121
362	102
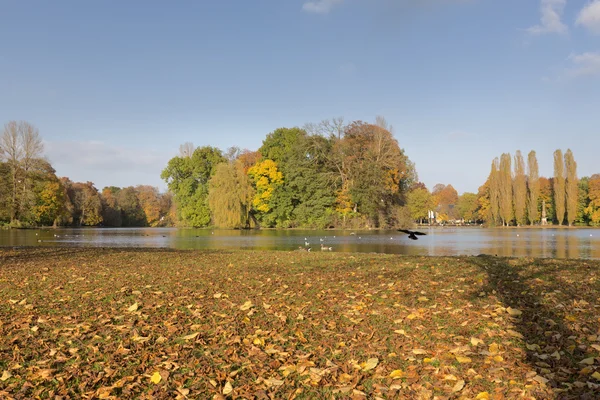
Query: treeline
329	174
515	194
32	195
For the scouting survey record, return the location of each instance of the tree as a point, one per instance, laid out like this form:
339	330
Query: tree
506	204
494	192
445	198
132	213
467	206
149	199
593	209
559	186
583	201
187	178
86	203
546	197
21	148
230	195
111	212
533	188
520	190
266	177
419	203
571	187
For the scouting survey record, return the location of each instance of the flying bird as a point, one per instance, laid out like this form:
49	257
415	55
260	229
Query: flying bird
411	234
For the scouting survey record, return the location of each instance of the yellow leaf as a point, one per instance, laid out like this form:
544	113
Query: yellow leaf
483	396
498	358
273	382
5	376
588	361
133	307
397	373
514	312
476	342
247	305
217	295
463	360
419	351
423	299
493	348
459	386
155	377
191	336
428	360
227	389
411	316
596	375
596	347
370	364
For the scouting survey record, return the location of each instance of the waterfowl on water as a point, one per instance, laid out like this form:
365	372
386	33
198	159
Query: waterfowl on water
411	234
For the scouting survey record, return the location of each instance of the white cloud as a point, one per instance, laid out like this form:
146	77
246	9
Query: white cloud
551	18
584	64
320	6
589	16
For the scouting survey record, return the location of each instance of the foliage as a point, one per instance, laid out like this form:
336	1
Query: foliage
266	177
558	188
533	188
593	208
467	206
571	187
506	198
230	195
546	198
419	202
520	190
123	323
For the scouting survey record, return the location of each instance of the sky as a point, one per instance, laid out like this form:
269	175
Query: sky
115	87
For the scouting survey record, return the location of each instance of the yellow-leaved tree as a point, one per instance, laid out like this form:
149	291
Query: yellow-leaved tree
266	177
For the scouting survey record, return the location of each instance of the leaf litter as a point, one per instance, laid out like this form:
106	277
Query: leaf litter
147	323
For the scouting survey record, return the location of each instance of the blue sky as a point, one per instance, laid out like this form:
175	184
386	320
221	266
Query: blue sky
115	87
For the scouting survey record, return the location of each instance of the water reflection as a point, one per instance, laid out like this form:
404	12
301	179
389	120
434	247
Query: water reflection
549	242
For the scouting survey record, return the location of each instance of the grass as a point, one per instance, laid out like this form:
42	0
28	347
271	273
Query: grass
147	323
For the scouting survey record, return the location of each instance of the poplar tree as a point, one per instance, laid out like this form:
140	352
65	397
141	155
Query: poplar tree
506	205
571	187
533	187
520	189
559	186
494	191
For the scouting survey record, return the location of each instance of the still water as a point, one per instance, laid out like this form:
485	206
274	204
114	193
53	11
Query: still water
534	242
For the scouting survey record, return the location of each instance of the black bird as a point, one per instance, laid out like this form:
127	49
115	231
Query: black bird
411	234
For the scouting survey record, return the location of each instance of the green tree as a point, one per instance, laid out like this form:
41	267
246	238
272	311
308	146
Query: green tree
546	198
187	178
230	195
520	190
506	203
86	203
583	201
467	206
494	192
533	188
593	208
571	187
419	203
559	186
132	213
111	211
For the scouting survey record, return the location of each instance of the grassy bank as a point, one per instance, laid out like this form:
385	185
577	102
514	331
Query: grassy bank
110	323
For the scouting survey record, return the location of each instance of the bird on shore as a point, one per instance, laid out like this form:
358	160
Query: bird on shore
411	234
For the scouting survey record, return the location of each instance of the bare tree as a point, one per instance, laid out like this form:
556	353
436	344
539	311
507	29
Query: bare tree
21	147
186	150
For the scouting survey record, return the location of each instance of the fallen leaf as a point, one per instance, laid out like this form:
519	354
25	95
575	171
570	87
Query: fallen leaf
156	378
483	396
463	360
133	307
514	312
476	342
458	386
587	361
5	376
246	306
191	336
419	351
227	389
397	373
369	364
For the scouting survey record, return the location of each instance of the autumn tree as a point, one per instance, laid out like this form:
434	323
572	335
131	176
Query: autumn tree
520	189
445	198
86	203
559	186
533	188
21	148
546	197
111	212
266	177
494	192
593	208
583	201
230	195
149	200
506	198
571	187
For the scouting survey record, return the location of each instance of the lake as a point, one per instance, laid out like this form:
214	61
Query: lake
447	241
